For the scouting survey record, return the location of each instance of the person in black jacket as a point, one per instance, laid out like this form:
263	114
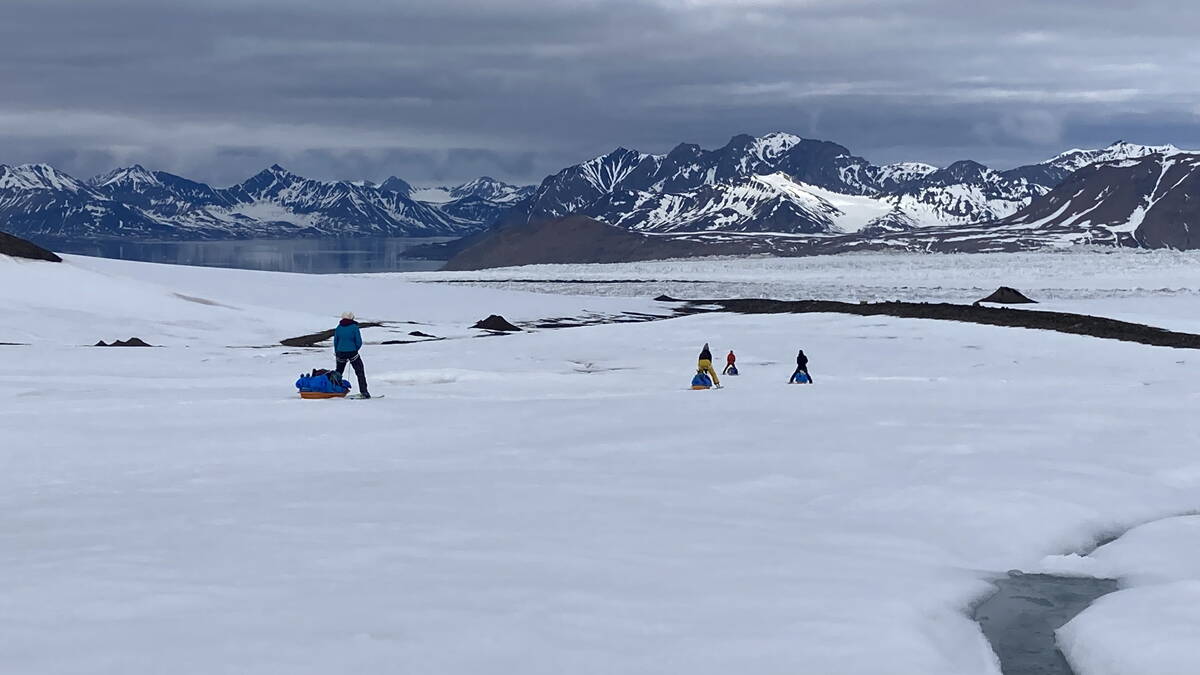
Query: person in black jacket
801	367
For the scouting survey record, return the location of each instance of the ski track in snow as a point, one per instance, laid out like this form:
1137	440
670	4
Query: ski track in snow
504	510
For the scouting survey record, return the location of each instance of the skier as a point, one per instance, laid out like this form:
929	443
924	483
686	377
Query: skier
347	340
801	367
730	363
705	365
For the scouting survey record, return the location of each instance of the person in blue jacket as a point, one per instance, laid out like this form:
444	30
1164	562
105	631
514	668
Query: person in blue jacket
347	341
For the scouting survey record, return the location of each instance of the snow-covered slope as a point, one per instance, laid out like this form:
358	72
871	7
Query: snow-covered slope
894	176
37	177
482	200
758	203
431	195
83	299
964	192
575	188
556	493
1052	172
492	190
1151	201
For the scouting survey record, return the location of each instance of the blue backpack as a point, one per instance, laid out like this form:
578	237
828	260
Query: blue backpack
733	370
702	380
801	377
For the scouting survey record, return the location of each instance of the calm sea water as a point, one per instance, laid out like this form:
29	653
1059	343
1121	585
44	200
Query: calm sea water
313	256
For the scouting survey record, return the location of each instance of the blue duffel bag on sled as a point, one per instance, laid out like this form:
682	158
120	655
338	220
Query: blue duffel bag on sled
322	384
701	381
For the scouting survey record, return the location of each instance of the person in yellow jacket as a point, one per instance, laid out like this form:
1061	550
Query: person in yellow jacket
705	365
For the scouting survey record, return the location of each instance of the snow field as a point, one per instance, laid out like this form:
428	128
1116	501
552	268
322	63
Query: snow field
88	299
1102	273
547	502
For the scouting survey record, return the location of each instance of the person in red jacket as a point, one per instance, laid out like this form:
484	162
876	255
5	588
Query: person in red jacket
730	363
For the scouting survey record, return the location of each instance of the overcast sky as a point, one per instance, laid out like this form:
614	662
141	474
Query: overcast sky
444	90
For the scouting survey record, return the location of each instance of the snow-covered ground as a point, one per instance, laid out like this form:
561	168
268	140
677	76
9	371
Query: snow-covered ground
1044	275
554	501
89	299
1160	288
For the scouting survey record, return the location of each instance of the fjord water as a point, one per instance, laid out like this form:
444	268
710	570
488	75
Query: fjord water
312	256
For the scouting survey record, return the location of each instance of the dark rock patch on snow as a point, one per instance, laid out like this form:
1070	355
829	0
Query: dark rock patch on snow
313	339
1062	322
497	323
131	342
417	333
600	319
1007	296
201	301
20	248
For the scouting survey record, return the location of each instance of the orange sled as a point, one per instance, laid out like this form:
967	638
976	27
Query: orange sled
322	394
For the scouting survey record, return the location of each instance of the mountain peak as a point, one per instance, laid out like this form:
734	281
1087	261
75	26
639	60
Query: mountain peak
619	151
685	150
966	167
276	173
486	187
780	134
397	185
774	144
131	176
37	177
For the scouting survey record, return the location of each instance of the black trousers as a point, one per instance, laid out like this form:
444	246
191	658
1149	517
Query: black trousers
355	360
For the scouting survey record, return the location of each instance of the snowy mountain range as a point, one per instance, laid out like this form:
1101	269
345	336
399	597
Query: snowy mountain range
777	188
39	201
784	184
1151	201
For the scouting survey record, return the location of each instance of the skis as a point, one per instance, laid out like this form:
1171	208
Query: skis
361	397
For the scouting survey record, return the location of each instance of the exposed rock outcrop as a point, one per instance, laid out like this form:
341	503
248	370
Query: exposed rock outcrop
496	323
1007	296
20	248
131	342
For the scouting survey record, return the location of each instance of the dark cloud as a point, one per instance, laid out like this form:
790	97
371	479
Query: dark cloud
443	91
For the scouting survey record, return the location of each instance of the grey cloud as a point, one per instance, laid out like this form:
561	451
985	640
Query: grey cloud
444	91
